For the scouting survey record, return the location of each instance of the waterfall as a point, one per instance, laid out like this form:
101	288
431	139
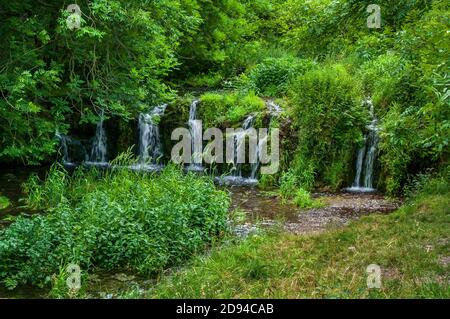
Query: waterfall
239	143
195	129
72	150
99	144
63	147
255	166
64	142
365	162
275	111
150	147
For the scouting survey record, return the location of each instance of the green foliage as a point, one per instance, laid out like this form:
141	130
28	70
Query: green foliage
51	76
268	181
209	80
303	199
272	76
4	202
385	79
124	220
60	289
325	27
429	183
328	112
230	32
219	108
336	174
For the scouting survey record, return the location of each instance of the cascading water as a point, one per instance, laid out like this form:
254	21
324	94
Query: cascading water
240	138
275	110
365	162
72	150
149	137
64	148
195	129
99	145
239	143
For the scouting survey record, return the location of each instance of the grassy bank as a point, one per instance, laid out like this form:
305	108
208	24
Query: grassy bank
411	246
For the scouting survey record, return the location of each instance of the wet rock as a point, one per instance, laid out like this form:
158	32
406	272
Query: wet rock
245	230
444	261
123	277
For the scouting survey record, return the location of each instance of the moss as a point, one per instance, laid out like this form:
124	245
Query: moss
4	202
228	109
176	115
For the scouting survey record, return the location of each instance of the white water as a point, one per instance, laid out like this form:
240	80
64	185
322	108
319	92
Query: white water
239	143
365	163
99	145
274	109
150	148
240	138
64	148
196	138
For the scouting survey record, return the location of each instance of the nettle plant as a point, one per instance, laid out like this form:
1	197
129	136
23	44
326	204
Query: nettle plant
123	220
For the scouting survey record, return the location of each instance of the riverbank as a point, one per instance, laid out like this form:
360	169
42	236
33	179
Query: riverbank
411	245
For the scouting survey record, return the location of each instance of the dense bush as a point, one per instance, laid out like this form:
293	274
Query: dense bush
53	77
272	76
112	220
385	79
328	112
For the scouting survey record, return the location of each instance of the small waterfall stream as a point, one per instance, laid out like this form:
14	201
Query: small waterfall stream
365	162
195	128
64	142
240	138
240	143
64	148
99	144
150	147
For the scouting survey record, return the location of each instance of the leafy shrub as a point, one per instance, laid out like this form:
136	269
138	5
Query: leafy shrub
327	110
272	76
288	184
218	108
429	183
335	174
117	219
303	199
384	80
301	174
397	146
